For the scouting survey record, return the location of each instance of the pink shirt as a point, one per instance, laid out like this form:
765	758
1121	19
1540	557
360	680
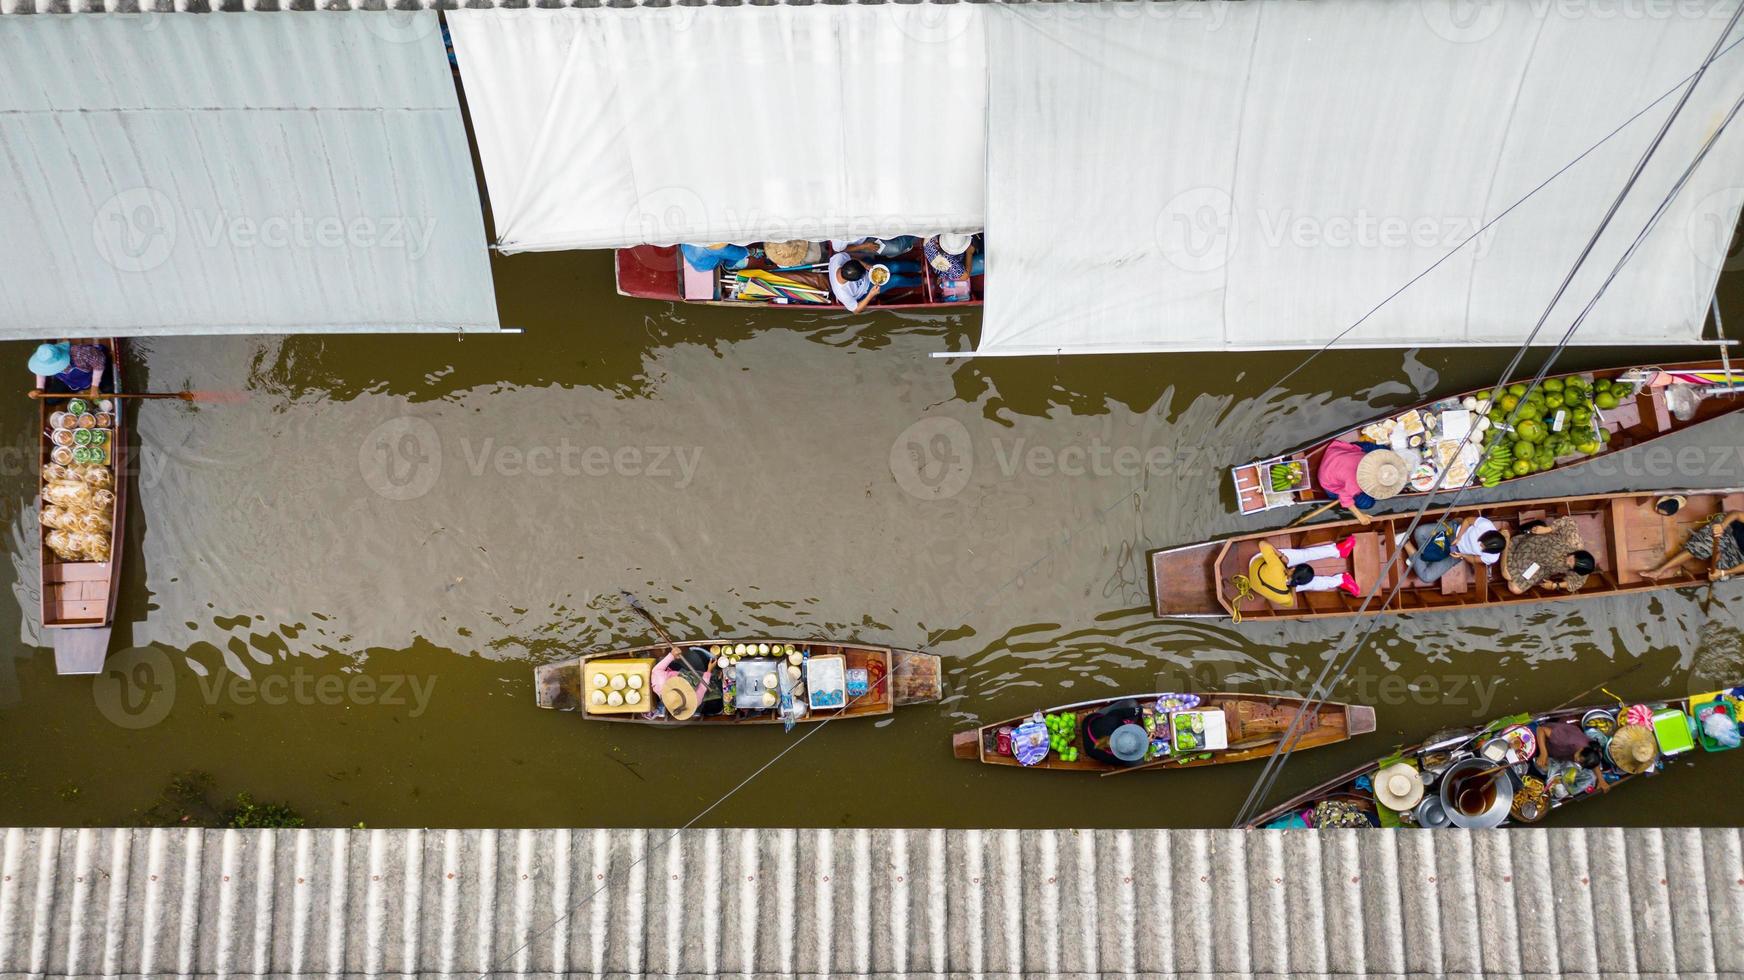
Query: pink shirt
1337	474
664	671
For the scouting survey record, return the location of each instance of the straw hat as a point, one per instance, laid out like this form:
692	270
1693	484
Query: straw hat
1398	787
1634	749
1129	743
789	253
1381	474
1270	576
680	698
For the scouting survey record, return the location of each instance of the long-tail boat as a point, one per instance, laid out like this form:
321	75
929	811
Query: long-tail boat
1649	402
78	596
659	272
1624	532
867	682
1244	727
1490	776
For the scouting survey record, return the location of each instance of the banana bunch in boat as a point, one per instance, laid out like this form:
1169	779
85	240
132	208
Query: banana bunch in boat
1285	476
1496	464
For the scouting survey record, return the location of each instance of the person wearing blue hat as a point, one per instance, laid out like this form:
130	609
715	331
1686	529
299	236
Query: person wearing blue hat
77	366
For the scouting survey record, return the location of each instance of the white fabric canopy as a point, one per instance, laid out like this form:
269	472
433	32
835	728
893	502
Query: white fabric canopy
1259	175
606	127
235	173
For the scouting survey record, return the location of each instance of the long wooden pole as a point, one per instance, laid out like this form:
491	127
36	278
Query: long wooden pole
659	630
186	396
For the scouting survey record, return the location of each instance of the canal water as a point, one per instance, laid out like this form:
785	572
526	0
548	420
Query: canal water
340	578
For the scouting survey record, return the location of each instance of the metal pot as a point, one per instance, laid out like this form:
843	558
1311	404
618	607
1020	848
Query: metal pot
1486	799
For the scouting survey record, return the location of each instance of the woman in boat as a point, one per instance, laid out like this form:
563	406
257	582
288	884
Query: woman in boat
1360	473
1546	554
1725	531
78	366
953	259
682	681
1293	567
1113	736
1435	549
851	280
1570	759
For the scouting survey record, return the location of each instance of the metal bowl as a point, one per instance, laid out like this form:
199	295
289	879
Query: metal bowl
1431	814
1495	813
1599	718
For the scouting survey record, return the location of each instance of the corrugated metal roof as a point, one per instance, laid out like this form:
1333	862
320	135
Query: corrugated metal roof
894	903
185	175
204	6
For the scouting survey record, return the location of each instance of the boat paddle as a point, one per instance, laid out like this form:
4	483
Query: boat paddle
659	630
1316	512
1601	685
226	397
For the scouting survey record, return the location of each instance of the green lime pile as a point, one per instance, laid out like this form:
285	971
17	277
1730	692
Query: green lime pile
1062	732
1534	445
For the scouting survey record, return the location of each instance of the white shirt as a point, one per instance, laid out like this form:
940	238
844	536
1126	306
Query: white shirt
1468	542
849	294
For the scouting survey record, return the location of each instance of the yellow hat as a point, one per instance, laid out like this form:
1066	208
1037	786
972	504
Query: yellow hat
1270	576
1634	749
680	698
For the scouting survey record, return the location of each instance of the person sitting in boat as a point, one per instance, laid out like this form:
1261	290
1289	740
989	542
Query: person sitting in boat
795	254
1276	574
78	366
852	281
1571	761
953	258
682	681
1437	548
1724	531
1113	735
1546	554
872	250
708	258
1360	473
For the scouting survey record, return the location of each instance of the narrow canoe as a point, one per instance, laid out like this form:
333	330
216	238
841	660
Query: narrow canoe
1255	724
1640	419
657	272
78	597
1623	532
1448	748
908	678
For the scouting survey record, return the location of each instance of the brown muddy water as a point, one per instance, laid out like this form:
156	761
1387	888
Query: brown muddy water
337	589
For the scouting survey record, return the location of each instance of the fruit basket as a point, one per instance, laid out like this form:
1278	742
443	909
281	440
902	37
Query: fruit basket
1285	476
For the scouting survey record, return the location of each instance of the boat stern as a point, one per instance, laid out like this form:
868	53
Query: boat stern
967	745
1359	719
915	678
558	686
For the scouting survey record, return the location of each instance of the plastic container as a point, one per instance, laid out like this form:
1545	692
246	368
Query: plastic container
1701	710
826	682
1672	728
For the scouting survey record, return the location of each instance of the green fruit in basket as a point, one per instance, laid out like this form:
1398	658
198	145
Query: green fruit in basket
1552	384
1517	389
1606	400
1522	467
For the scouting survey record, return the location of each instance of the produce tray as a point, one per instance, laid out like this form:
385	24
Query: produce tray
640	667
1703	706
826	680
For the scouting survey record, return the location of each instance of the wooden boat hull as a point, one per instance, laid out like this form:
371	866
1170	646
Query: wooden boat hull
1621	530
78	599
910	678
657	272
1345	786
1257	724
1644	418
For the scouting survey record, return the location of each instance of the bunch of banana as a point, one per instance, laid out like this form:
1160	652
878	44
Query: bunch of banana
1496	464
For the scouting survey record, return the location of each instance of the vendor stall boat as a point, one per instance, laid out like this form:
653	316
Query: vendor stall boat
1605	412
659	272
1217	728
826	681
1489	776
1624	532
82	506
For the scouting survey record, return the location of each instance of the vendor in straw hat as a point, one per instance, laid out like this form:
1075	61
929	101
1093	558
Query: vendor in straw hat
682	680
952	257
1634	749
1112	734
1360	473
1399	787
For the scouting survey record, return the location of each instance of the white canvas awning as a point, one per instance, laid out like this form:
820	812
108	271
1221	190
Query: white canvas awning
606	127
235	173
1259	175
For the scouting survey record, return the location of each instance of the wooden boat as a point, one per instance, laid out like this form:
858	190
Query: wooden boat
1644	417
896	677
1254	725
1625	535
658	272
78	597
1528	802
